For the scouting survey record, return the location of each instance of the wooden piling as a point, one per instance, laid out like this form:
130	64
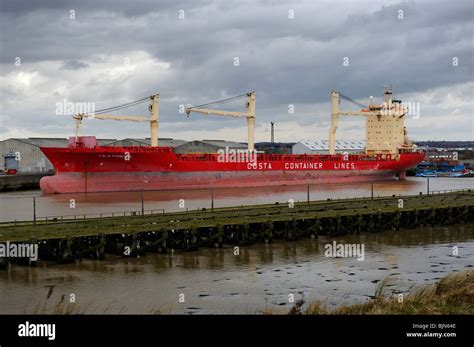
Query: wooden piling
70	240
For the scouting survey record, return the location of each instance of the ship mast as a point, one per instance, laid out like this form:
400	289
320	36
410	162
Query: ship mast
154	116
249	114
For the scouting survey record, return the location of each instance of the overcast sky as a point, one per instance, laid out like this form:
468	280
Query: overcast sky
290	53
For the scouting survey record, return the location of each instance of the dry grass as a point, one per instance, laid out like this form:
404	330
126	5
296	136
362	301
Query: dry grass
453	294
65	307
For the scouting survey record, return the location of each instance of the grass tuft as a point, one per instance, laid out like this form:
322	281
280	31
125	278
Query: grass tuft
454	294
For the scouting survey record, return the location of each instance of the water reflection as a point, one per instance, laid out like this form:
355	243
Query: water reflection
260	277
18	205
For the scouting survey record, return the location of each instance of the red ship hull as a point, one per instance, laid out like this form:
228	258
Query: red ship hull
105	169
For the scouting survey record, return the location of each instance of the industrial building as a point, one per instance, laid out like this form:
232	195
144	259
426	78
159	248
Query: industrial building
208	146
164	142
25	156
322	147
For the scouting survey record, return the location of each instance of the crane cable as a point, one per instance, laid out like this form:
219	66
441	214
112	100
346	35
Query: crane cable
222	101
352	101
118	107
136	102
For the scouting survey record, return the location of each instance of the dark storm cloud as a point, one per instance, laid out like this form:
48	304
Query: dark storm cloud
126	7
295	61
74	65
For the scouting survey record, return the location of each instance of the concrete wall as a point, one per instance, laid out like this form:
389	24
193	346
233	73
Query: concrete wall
20	181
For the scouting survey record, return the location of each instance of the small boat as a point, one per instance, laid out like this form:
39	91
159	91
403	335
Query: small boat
427	173
464	173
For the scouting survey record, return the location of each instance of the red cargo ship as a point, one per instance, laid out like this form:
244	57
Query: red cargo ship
101	169
86	167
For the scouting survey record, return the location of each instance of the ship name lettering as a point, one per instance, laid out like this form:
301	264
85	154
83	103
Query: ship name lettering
344	166
259	166
303	166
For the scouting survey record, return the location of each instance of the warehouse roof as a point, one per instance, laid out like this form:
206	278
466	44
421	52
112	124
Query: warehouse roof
165	142
52	141
43	142
322	145
224	143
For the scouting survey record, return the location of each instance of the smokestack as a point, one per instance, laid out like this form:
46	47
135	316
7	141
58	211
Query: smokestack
273	132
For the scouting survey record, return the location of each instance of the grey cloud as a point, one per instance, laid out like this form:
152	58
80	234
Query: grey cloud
286	61
74	65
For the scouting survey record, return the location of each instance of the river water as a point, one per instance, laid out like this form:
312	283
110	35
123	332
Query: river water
19	206
262	277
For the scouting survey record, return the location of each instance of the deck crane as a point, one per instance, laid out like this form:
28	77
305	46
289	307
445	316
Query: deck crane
249	114
154	116
385	131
